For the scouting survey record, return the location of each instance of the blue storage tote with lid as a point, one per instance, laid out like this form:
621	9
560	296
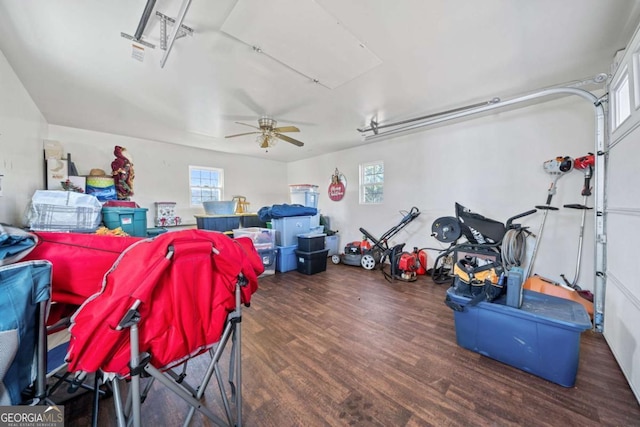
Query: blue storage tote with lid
286	258
133	221
288	228
542	337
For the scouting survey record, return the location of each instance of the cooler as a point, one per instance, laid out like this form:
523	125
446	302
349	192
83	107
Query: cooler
542	337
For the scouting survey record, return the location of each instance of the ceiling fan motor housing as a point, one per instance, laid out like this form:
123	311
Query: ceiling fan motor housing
266	123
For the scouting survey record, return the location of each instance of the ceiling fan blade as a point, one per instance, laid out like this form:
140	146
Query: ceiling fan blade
286	129
241	134
251	126
288	139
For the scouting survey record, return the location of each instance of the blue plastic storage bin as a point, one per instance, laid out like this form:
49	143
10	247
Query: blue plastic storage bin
542	337
133	221
332	243
286	259
217	223
288	228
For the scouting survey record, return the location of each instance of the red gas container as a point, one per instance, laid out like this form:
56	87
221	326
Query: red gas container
421	261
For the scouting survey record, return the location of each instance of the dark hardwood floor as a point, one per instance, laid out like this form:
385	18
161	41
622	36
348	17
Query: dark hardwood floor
345	347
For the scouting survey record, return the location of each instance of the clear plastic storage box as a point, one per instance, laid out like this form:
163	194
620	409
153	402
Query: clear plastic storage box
263	238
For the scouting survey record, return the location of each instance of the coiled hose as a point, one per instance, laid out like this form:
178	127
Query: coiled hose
514	247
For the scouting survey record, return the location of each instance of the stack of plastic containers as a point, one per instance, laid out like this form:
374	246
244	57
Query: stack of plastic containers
288	228
311	254
286	232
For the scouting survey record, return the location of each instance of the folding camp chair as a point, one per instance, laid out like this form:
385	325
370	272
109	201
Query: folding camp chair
164	301
25	289
15	244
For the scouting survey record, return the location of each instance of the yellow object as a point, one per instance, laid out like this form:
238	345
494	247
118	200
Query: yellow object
478	276
242	206
104	231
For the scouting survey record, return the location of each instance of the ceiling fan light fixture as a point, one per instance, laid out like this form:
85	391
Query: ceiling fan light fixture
266	140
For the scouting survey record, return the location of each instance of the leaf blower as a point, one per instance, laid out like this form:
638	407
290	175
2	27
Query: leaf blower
404	265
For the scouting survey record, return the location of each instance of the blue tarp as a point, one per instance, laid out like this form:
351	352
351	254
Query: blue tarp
267	213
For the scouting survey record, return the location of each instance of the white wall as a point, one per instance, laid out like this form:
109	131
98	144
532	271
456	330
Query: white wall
162	170
22	129
492	165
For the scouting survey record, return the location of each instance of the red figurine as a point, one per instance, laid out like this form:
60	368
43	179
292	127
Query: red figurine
122	172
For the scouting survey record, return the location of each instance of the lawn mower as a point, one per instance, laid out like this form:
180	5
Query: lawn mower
370	251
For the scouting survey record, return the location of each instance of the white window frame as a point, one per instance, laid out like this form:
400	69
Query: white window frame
365	185
635	65
621	94
210	189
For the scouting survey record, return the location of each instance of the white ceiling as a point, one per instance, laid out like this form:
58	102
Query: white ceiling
435	55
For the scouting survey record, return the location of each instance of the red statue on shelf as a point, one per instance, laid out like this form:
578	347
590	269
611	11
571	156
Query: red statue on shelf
122	172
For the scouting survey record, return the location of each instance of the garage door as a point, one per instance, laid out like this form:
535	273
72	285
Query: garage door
622	217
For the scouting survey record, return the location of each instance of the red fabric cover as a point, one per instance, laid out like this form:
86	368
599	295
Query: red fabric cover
79	260
185	300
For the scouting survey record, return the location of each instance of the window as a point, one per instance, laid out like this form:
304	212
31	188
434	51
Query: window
636	78
371	182
205	184
621	99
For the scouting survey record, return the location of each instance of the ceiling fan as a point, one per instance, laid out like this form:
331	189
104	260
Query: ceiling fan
268	133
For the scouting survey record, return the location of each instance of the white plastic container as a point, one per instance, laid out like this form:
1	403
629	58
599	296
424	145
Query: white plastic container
304	194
